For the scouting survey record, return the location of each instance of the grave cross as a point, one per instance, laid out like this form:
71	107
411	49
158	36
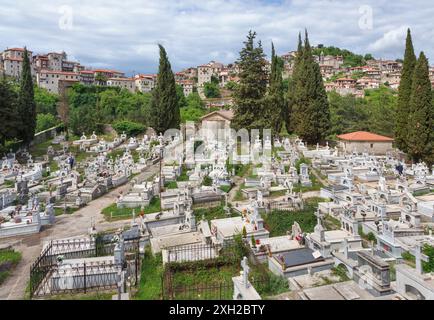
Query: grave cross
419	257
246	270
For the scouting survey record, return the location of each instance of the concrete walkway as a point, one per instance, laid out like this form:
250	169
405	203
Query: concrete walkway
66	226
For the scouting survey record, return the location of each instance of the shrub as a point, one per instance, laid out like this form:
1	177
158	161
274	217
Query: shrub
45	121
207	181
130	128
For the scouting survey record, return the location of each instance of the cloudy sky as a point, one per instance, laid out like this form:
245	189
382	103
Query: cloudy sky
123	34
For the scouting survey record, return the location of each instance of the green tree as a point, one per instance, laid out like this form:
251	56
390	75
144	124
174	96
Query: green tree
274	107
46	102
310	109
45	121
9	119
231	85
420	125
26	102
182	101
403	108
250	92
211	90
164	113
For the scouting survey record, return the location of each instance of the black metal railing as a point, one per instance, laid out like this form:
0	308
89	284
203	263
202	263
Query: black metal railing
45	271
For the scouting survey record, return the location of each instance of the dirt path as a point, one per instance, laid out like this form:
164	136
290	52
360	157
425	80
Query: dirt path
66	226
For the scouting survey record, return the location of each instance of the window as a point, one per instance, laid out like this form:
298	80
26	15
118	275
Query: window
372	145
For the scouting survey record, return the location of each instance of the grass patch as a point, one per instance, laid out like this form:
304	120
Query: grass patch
331	223
89	296
171	185
241	170
426	266
112	212
213	213
280	222
150	280
183	176
9	184
341	272
40	149
279	193
316	185
239	195
9	259
226	188
61	211
421	193
370	237
189	279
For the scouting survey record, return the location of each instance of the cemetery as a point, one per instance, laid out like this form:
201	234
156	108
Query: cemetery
280	220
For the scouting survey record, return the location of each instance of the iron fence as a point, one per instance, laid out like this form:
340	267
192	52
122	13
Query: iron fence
48	276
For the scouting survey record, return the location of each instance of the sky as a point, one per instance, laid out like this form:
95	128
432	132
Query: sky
123	35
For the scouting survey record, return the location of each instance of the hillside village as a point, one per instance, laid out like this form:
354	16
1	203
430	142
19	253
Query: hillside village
53	68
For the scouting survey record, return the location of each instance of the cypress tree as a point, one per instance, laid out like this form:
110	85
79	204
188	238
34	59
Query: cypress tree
420	123
26	102
250	93
9	119
405	87
311	107
291	110
164	113
275	100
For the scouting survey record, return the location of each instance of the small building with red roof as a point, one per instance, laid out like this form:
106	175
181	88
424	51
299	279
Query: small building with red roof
363	141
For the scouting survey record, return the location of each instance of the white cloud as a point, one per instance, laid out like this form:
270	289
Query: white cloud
124	34
391	40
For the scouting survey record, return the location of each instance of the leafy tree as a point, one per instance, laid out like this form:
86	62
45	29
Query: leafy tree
9	119
195	108
45	121
182	101
311	115
347	114
83	120
211	90
251	90
350	59
405	86
26	102
274	108
164	113
63	108
420	128
381	107
130	128
231	85
46	102
215	80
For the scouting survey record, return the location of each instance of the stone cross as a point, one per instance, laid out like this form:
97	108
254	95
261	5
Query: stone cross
419	257
345	248
246	270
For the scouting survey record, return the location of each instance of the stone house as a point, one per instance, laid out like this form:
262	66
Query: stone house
362	141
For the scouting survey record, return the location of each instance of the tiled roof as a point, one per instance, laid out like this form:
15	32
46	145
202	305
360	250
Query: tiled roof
228	114
364	136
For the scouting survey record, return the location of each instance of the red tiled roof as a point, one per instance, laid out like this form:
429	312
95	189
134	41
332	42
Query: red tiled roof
364	136
59	72
107	71
17	49
14	59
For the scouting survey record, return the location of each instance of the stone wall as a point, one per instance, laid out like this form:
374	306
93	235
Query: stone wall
45	135
377	148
